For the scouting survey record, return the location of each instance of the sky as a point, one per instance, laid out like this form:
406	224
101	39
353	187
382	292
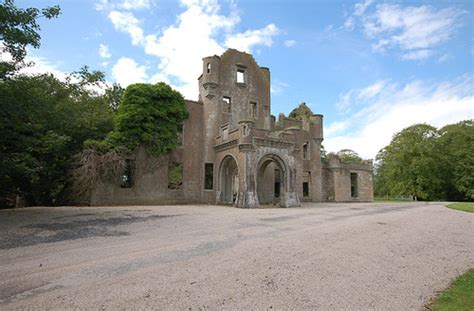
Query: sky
370	67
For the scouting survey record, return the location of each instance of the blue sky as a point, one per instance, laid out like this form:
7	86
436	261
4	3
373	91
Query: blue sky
371	67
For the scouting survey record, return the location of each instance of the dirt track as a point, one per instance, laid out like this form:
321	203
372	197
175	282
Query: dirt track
326	256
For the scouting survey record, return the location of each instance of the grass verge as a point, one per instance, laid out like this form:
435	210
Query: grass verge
462	206
458	296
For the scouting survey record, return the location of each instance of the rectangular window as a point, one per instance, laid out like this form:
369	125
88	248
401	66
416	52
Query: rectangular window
208	176
126	180
354	185
240	76
306	180
175	175
208	67
305	189
180	135
305	151
253	110
225	132
227	104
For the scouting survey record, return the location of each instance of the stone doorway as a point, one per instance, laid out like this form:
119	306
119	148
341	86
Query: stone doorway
271	181
228	181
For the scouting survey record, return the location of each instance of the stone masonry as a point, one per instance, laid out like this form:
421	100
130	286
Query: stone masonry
233	151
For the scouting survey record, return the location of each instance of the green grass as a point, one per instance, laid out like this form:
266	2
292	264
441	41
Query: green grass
463	206
459	296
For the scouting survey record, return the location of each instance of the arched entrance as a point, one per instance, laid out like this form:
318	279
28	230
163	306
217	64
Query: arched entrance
228	180
271	181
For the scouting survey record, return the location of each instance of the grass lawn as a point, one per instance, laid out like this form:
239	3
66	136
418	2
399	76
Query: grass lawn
463	206
459	295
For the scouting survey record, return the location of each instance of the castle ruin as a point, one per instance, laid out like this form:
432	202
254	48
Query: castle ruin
233	151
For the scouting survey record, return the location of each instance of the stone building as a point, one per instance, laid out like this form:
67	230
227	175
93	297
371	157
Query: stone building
233	151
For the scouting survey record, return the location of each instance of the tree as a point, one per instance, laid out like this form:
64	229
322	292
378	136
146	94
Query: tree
349	156
456	149
18	29
149	116
114	96
302	112
43	124
410	164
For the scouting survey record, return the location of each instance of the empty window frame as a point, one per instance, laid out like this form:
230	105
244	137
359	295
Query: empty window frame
354	185
126	179
227	103
180	135
306	181
208	68
240	76
175	175
225	132
306	150
208	176
253	110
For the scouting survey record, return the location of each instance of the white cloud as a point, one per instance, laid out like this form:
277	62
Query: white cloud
41	65
136	4
290	43
445	57
104	51
107	5
397	106
181	46
415	30
417	55
128	23
244	41
371	90
359	8
277	87
126	71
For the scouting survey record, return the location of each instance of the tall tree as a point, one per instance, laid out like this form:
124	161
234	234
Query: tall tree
410	163
456	149
43	124
19	28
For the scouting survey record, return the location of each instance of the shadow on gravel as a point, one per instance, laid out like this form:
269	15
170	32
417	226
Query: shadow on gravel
72	230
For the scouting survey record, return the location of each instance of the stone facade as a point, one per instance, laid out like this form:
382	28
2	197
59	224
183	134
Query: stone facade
235	152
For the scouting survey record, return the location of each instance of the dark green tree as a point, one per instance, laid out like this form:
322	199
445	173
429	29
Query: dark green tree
149	116
456	149
410	164
19	28
43	124
114	96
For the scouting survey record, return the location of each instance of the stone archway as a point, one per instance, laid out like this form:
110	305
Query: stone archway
273	181
228	181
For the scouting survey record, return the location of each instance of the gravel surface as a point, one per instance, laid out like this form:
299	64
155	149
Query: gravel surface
319	256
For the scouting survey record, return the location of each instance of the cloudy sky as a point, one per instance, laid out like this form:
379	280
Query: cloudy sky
371	67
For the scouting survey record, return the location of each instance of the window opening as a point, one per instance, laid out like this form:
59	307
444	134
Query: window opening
253	110
240	76
180	135
126	180
175	175
227	104
208	176
305	151
354	185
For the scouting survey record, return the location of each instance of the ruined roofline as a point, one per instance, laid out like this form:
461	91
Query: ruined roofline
193	101
231	50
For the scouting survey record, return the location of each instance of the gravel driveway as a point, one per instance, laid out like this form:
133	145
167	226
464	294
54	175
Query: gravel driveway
319	256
